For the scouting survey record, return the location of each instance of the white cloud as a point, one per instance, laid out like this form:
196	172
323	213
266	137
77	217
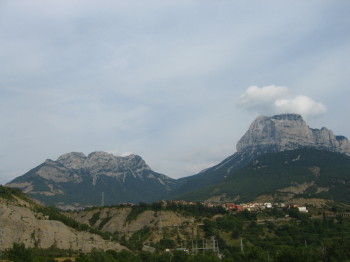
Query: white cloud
274	100
157	78
301	105
261	98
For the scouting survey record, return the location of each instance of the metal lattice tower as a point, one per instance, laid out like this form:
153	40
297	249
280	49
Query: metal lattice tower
103	199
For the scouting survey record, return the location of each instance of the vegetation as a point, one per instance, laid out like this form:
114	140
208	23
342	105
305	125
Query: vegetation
195	209
267	235
86	193
10	193
19	253
95	217
104	222
276	235
137	239
137	210
273	171
54	213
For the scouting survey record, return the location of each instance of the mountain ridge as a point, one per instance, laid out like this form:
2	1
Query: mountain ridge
75	180
265	135
82	180
288	132
283	176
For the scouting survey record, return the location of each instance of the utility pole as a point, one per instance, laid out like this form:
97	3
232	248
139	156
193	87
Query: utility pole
242	249
160	222
213	243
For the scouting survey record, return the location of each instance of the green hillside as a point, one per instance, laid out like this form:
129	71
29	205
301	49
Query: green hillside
212	175
86	193
327	173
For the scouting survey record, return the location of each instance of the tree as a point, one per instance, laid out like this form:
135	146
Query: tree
167	243
294	212
19	253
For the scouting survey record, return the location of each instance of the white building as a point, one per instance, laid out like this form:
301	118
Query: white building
268	205
303	209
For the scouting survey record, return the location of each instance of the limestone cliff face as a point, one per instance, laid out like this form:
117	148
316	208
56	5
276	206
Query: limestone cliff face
265	135
288	132
75	180
105	162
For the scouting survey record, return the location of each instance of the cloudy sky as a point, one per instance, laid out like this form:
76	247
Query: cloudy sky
177	82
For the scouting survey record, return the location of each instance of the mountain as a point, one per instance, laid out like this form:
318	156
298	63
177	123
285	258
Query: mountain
75	180
289	132
306	173
265	135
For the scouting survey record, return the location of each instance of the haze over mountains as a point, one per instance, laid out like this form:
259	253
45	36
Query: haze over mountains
76	180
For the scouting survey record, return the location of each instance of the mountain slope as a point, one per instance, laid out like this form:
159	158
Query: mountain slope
76	180
265	135
307	173
21	223
213	174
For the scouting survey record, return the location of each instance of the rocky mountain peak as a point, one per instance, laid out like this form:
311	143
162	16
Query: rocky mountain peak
290	117
74	160
100	155
97	161
76	180
288	132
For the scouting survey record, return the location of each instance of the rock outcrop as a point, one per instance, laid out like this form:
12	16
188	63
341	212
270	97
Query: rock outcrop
97	162
289	132
75	180
265	135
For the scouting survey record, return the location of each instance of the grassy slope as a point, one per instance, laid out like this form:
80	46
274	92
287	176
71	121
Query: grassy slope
271	172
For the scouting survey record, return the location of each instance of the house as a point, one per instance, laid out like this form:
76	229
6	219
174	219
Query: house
303	209
268	205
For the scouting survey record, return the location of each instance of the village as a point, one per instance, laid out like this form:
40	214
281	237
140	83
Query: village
252	207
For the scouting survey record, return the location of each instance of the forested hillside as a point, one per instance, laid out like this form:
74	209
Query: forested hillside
305	173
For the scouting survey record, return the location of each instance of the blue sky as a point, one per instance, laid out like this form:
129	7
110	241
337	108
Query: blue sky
176	82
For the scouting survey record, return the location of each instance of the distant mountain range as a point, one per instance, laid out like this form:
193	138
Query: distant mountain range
276	154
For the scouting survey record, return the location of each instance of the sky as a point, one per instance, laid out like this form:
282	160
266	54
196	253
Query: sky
176	82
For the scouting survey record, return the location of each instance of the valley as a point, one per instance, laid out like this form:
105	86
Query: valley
181	231
283	196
